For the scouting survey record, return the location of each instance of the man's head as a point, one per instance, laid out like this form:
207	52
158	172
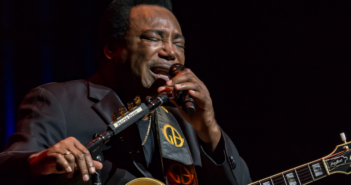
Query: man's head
147	44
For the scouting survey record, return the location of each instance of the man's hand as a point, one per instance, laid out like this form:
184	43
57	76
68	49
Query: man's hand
69	154
203	119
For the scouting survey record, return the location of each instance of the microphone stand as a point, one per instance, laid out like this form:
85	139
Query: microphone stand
122	123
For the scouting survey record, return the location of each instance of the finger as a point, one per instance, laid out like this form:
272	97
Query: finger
164	89
188	86
87	156
71	161
81	163
63	163
184	76
202	100
98	165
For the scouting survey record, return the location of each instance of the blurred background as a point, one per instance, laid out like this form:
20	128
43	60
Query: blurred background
278	73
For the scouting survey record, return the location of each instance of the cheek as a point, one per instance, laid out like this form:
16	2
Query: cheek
148	50
180	56
142	56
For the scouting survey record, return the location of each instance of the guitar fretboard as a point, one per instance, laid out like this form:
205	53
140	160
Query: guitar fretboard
300	175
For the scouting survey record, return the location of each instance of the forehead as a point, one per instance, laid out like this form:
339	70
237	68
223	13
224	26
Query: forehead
143	17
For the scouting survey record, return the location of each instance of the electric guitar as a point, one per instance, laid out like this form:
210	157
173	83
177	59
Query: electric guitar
339	161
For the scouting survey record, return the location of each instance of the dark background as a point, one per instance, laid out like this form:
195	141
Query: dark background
278	73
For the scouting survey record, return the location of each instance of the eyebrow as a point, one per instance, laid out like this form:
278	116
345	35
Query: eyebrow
179	36
160	32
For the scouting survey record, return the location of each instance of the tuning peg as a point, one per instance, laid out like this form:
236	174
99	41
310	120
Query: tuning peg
343	137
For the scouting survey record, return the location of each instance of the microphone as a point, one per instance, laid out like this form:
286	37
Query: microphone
182	97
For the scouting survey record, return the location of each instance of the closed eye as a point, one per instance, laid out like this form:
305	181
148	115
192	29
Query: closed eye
179	44
155	39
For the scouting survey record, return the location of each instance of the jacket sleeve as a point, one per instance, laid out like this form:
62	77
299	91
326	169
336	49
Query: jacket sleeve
224	166
40	125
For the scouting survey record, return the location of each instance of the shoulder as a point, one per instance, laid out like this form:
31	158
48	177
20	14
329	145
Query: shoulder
65	86
64	89
60	91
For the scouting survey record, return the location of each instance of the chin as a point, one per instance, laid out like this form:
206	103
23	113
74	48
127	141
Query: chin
152	85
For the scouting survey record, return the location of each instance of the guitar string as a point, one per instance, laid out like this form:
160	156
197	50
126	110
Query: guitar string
278	183
283	182
303	171
340	153
280	179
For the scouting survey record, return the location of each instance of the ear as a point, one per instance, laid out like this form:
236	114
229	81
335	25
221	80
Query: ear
109	51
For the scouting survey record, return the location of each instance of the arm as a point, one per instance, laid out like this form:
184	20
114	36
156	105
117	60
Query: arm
40	125
224	165
221	163
37	147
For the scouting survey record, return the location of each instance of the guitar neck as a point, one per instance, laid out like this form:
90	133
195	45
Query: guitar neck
300	175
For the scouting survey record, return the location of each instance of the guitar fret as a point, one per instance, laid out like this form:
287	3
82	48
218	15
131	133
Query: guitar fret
284	179
337	162
278	179
310	170
300	175
272	181
291	177
298	178
266	182
318	169
304	174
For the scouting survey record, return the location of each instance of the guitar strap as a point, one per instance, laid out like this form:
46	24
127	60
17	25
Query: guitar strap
177	163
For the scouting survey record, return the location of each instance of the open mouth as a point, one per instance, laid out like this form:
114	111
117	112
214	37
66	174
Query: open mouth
160	72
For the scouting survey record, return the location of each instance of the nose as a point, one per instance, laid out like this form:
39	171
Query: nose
167	51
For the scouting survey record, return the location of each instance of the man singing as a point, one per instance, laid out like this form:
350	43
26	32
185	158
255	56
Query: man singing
139	41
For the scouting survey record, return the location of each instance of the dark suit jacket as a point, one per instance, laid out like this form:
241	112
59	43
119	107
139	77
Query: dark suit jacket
55	111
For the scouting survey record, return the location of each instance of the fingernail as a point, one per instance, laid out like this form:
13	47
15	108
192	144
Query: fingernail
86	177
69	169
169	82
177	86
92	169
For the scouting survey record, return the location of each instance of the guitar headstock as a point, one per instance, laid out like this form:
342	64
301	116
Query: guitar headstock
339	161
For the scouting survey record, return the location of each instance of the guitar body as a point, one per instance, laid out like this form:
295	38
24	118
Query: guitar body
145	181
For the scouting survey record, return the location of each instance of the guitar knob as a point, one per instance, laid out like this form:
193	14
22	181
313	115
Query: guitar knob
343	137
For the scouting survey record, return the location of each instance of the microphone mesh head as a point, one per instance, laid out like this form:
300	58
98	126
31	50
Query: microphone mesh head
175	69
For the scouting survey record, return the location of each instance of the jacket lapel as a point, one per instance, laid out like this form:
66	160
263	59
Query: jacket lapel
108	103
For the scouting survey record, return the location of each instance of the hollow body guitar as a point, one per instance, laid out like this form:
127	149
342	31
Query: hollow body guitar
339	161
